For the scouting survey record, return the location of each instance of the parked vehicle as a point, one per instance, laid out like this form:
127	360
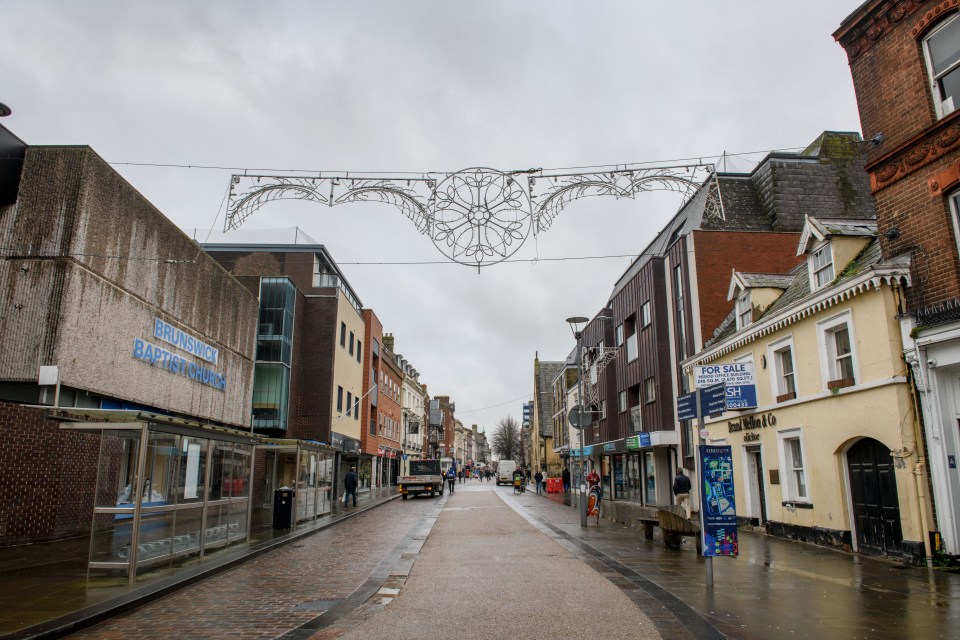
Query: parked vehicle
505	469
425	477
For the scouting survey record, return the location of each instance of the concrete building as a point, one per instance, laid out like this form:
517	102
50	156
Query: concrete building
828	453
905	62
120	338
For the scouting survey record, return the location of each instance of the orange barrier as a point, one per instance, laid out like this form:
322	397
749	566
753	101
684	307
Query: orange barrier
554	485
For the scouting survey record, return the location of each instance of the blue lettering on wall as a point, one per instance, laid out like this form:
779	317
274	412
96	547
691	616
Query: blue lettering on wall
171	335
160	357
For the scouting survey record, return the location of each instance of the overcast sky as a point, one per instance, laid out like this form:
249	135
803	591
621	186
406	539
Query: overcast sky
438	86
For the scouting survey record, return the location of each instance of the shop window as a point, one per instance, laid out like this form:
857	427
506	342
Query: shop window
794	478
942	52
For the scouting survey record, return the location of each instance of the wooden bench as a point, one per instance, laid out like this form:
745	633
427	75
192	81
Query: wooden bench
675	526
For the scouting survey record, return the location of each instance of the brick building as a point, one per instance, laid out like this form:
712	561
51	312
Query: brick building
311	339
904	58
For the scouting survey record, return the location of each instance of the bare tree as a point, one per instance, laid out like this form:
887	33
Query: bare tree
506	443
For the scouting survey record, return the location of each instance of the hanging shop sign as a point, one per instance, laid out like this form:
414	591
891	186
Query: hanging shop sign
716	495
159	356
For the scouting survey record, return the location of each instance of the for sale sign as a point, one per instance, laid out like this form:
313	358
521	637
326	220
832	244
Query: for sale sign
737	373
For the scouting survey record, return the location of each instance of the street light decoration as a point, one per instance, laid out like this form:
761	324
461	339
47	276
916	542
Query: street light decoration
477	216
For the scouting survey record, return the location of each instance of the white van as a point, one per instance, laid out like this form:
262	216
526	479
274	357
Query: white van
505	469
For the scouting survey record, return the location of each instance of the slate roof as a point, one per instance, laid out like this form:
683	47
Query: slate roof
799	287
765	280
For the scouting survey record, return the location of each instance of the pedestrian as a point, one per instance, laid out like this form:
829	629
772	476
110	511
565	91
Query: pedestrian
544	479
593	479
681	489
565	478
452	479
350	482
460	475
539	479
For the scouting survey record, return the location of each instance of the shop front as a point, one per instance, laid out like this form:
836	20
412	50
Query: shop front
640	468
166	488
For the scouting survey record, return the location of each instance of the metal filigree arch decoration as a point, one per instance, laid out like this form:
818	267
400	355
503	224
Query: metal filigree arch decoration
477	216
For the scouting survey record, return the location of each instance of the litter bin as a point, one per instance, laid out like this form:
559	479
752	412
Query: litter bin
283	508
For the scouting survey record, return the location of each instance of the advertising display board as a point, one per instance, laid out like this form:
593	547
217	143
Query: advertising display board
716	497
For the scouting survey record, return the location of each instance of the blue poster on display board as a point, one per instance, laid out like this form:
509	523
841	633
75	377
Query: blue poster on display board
717	501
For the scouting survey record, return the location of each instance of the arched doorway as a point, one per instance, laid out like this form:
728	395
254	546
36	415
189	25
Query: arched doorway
873	490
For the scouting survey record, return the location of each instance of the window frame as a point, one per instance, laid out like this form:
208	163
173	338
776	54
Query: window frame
622	401
932	77
824	248
777	376
645	316
953	201
826	339
649	390
790	489
343	334
744	308
339	399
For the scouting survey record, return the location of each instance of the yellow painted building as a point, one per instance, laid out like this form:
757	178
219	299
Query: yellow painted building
830	454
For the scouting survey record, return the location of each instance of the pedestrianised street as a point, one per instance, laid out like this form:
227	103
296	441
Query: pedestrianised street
506	565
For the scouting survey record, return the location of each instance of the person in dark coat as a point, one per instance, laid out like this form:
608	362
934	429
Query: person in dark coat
350	482
565	477
681	489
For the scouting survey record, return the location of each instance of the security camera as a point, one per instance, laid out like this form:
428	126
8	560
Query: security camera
932	363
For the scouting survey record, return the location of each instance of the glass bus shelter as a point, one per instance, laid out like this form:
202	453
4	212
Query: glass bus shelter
166	487
302	465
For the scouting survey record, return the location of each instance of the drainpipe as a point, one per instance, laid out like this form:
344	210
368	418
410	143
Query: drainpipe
919	469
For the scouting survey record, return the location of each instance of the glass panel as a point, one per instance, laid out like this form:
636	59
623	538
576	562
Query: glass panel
193	466
270	395
945	47
651	478
110	541
230	471
950	86
632	348
619	478
119	451
161	469
636	420
325	482
156	536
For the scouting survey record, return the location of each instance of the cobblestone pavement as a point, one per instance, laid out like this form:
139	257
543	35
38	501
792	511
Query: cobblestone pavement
287	588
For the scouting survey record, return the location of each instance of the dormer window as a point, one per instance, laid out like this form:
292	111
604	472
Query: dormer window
942	51
744	310
821	266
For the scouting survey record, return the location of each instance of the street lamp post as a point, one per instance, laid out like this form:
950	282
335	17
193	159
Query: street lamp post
582	500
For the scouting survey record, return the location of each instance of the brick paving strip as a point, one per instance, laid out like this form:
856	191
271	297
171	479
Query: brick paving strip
313	581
